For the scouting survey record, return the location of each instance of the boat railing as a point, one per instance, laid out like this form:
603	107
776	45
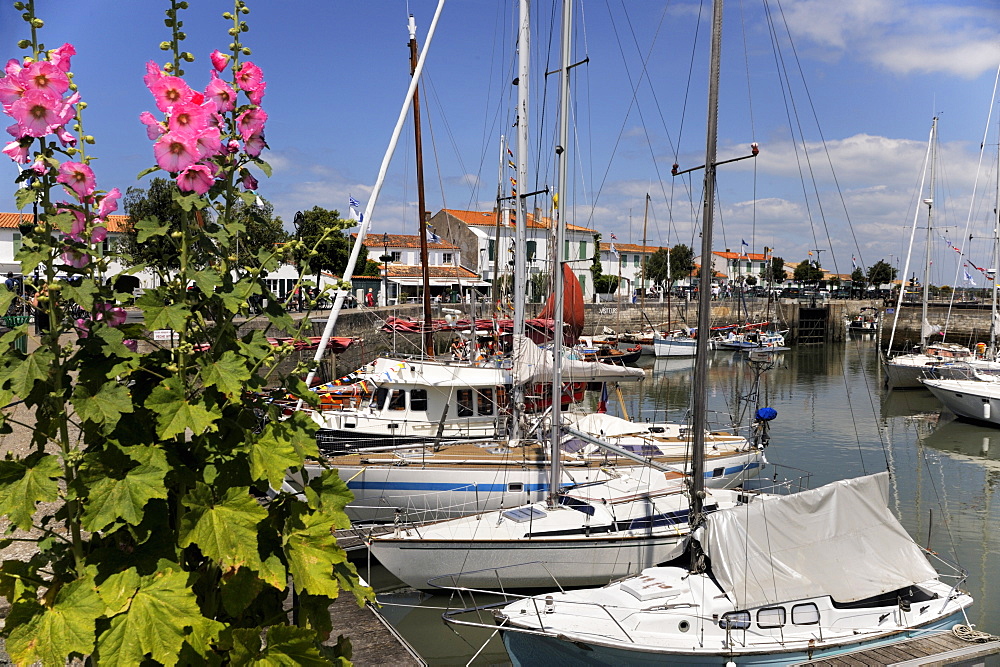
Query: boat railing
783	481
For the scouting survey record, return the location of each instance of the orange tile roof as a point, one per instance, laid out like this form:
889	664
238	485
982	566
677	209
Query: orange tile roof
404	241
632	247
744	255
489	219
116	223
409	271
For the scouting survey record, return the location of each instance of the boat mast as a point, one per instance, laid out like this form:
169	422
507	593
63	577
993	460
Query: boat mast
352	260
521	219
421	204
697	517
991	352
927	251
642	283
557	259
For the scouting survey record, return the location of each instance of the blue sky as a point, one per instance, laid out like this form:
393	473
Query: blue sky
860	81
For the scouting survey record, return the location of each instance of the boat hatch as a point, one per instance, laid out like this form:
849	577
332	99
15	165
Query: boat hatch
515	487
522	514
576	504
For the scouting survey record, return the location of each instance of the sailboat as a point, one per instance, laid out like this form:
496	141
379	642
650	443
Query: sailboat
906	370
776	582
579	536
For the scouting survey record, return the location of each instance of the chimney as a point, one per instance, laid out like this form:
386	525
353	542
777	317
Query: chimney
427	216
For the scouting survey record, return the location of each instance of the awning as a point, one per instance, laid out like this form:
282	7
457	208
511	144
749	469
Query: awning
438	282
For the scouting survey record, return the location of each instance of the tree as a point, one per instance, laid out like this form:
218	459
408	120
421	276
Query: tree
681	263
256	229
807	272
880	273
323	229
155	202
658	267
774	272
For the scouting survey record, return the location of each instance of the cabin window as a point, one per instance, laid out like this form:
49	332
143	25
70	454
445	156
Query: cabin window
735	620
484	400
502	399
380	395
418	400
398	400
464	402
805	614
771	617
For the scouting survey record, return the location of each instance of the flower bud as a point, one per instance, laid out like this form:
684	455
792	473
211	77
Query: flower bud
76	127
37	23
245	9
244	27
176	234
24	43
164	46
19	5
81	105
246	50
168	67
189	57
89	139
182	5
234	31
181	36
227	15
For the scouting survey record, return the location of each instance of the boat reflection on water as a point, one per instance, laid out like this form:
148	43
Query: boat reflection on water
919	403
980	443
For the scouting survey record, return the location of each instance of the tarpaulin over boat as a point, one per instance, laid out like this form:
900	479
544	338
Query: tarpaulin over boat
839	540
533	364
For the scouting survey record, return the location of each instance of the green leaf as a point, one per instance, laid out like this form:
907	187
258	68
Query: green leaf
162	614
175	413
272	453
229	373
291	646
27	482
57	631
113	497
117	591
239	590
24	196
146	172
160	315
264	166
207	280
105	407
35	368
224	530
81	293
312	553
329	493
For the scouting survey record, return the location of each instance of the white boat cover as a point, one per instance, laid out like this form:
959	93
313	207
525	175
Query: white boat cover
533	364
839	540
608	426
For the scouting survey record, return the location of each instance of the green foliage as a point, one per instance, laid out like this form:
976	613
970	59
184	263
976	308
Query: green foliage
324	246
606	284
658	267
807	272
166	547
880	273
681	263
774	271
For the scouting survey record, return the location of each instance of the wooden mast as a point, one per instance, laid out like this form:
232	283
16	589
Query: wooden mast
421	205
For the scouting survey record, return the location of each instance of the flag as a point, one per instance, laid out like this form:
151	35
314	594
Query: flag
744	242
510	163
432	237
513	181
613	237
614	250
355	207
854	261
510	152
602	405
968	278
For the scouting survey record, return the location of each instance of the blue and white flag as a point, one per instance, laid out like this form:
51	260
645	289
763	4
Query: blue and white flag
854	261
614	250
432	237
355	206
968	278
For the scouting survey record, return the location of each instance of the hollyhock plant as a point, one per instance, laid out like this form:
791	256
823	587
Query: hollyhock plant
78	178
60	57
176	151
109	203
74	258
251	121
18	150
37	112
249	77
43	75
221	94
219	60
169	91
198	179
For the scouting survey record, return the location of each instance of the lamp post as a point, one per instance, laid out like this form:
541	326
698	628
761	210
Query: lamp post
385	270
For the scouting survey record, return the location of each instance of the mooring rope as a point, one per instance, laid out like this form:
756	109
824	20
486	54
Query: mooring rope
968	634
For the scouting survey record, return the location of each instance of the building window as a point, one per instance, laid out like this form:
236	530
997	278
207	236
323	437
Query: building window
565	250
532	249
17	243
493	250
446	258
397	256
635	260
583	250
583	283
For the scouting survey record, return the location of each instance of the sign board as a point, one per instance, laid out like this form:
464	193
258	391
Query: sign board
165	334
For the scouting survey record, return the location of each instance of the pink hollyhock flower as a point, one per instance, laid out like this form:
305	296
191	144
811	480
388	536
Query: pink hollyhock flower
251	121
98	235
17	150
176	151
60	57
154	128
209	142
66	138
132	345
220	94
257	94
188	117
77	177
79	225
169	91
39	167
255	144
249	182
37	111
11	87
249	77
110	314
153	73
75	258
219	60
43	75
196	179
233	147
109	203
82	327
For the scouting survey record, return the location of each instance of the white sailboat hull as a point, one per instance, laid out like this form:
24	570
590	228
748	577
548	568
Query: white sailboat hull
971	399
671	346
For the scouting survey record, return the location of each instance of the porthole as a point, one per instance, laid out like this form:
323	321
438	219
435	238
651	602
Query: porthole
683	626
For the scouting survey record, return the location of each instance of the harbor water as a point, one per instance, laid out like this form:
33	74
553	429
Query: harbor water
835	420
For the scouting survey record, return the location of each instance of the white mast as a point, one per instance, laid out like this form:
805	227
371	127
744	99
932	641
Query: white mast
557	259
927	251
521	226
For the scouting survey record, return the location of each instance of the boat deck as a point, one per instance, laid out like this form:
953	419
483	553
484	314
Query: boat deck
938	649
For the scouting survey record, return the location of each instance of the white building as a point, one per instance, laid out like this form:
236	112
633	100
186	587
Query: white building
486	240
627	265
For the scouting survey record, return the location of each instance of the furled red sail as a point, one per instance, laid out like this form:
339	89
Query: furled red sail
572	308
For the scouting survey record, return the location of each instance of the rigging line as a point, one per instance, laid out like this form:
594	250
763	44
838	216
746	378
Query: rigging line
632	103
746	62
437	158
